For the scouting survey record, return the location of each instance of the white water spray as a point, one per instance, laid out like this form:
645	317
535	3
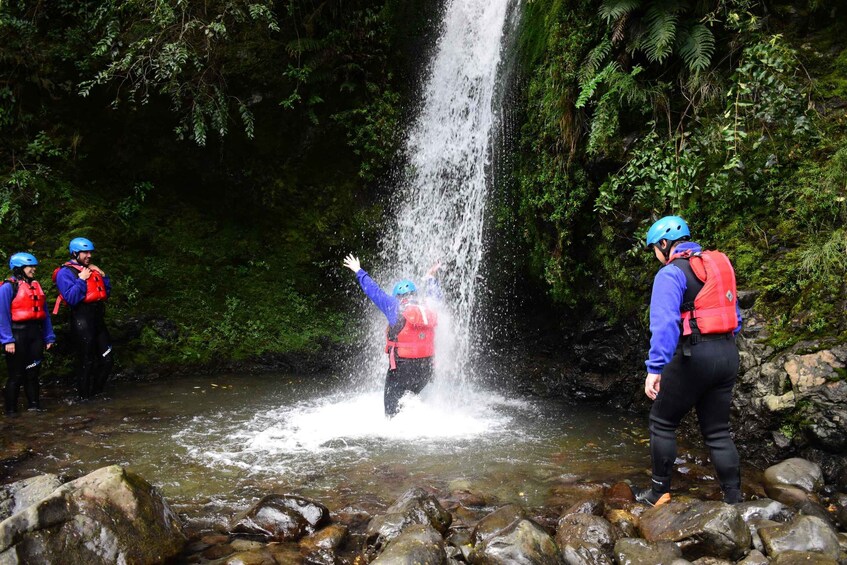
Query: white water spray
442	200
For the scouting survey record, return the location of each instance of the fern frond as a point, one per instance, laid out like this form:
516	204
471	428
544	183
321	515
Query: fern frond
594	60
611	10
696	46
588	88
661	32
304	45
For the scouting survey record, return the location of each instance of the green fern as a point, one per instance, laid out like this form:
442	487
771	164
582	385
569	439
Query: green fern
595	60
612	10
661	32
696	46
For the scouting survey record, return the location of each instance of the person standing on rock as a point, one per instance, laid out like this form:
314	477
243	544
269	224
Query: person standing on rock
693	359
85	287
25	331
410	336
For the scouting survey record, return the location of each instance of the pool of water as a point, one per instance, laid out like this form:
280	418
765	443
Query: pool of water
215	444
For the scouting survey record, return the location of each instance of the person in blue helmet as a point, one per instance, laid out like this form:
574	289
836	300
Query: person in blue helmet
693	360
25	331
86	288
410	336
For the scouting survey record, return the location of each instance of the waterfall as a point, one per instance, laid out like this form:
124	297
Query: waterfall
441	201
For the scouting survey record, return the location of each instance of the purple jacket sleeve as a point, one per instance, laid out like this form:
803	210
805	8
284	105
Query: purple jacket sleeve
6	314
47	329
71	287
668	289
386	303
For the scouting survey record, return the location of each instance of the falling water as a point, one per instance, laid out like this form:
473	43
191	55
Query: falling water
441	202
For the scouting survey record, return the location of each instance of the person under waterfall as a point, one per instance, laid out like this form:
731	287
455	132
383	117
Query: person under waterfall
410	336
693	359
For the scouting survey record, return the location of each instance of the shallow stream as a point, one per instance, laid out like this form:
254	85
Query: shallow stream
214	445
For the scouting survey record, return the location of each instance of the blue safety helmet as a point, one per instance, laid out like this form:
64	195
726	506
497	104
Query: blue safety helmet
670	228
403	287
22	260
78	244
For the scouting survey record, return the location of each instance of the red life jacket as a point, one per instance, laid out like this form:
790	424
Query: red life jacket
29	302
95	286
710	306
413	337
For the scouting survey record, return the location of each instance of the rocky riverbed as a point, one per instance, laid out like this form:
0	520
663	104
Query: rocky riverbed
115	516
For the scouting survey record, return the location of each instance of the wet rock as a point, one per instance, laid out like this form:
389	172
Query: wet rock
795	472
586	528
108	516
840	503
281	518
804	533
418	544
522	542
592	506
246	545
754	525
765	508
498	520
619	495
414	507
320	547
786	494
256	557
803	558
218	551
755	557
625	522
702	528
16	496
711	561
577	552
813	370
461	540
636	551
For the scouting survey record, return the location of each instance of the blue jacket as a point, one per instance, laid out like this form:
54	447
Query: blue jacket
665	321
7	294
72	288
389	305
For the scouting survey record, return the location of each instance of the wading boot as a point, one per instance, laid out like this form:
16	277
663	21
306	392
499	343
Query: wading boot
651	497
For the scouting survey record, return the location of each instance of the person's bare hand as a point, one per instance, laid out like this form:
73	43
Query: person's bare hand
352	263
651	385
98	269
49	346
85	273
10	348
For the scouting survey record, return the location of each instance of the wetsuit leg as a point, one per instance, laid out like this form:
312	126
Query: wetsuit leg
411	375
34	346
13	382
713	409
82	328
677	395
104	360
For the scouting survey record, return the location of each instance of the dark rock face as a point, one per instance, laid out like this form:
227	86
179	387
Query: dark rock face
584	553
636	551
415	506
803	558
765	508
804	533
418	544
108	516
320	547
524	542
702	528
281	518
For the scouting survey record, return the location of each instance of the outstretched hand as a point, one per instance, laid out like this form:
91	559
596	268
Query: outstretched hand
352	263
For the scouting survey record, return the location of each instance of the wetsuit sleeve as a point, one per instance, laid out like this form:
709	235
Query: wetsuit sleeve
433	289
6	336
47	330
738	316
108	284
71	287
668	290
387	304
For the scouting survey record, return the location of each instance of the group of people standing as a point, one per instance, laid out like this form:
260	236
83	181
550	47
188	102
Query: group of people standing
26	329
692	363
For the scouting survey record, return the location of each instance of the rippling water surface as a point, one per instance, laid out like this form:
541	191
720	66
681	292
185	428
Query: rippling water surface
215	444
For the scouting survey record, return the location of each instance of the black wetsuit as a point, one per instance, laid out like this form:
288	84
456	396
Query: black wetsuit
24	365
701	375
411	375
93	347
